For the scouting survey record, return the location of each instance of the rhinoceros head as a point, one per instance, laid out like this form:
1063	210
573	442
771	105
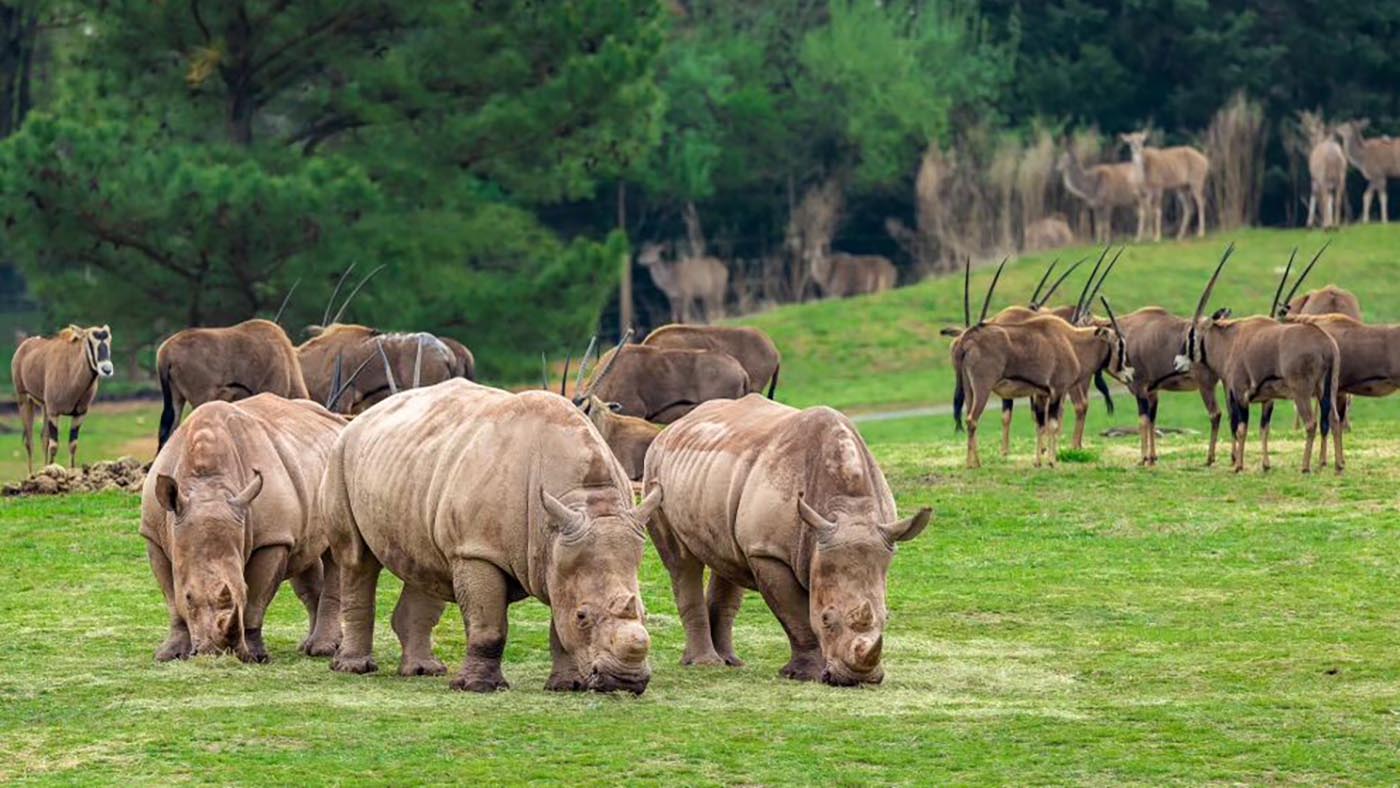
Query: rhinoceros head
207	542
593	593
847	590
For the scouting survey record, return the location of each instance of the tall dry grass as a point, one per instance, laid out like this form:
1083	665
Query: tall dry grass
1235	143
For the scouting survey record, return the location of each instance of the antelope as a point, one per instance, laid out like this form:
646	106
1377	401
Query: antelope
1327	171
662	384
1103	187
1328	300
419	359
841	275
466	362
1155	337
684	281
199	365
1042	358
1376	159
752	348
1260	359
1051	232
59	376
1181	169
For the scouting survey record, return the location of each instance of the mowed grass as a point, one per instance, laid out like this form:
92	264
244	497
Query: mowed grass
111	430
882	351
1097	623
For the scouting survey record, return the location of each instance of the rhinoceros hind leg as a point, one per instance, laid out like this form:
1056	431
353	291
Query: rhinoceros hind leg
482	594
788	601
688	584
358	581
724	599
415	615
319	590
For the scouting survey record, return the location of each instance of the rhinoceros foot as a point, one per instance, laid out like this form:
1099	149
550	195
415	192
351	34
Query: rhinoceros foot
479	681
432	666
704	658
319	646
732	660
254	649
174	648
565	682
803	667
363	664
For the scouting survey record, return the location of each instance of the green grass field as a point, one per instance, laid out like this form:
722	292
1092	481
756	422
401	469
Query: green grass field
1097	623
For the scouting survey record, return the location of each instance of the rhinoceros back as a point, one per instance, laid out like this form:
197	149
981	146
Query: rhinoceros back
454	471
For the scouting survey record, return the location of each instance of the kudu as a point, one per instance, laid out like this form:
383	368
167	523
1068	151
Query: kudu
1327	172
1180	169
752	348
842	275
199	365
687	280
1103	187
1042	357
59	376
1260	359
1376	159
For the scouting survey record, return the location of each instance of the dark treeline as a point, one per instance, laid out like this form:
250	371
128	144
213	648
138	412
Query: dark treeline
168	164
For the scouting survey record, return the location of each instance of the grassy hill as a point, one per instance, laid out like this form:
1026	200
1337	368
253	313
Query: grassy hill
884	351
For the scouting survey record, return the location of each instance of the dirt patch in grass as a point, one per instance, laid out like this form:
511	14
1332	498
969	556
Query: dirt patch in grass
126	474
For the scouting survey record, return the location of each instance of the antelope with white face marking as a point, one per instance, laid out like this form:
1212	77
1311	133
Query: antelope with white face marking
58	375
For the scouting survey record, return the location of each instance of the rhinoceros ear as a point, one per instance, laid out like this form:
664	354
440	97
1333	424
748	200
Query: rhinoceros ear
825	528
168	493
908	528
649	504
561	518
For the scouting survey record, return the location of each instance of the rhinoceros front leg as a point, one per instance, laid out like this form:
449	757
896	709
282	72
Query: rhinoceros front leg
565	676
480	588
264	574
177	643
414	618
788	601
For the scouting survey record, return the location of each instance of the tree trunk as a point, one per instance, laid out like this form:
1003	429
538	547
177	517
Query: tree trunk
624	288
18	28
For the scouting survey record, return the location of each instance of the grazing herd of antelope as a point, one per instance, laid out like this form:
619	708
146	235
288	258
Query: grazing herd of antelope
1309	348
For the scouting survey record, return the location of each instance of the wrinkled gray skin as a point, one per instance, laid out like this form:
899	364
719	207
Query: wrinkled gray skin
789	503
227	515
481	497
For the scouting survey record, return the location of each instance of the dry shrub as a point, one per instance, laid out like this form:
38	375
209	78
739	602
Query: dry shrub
811	226
1035	177
1235	145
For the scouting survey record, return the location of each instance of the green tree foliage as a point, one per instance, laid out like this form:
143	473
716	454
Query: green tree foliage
206	155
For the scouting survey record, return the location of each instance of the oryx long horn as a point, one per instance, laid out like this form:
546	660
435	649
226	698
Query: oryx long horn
988	299
1099	285
286	299
348	298
1210	286
1283	280
335	380
967	296
330	304
1036	295
1044	299
564	378
1299	281
388	371
583	362
603	374
1088	283
344	387
544	372
418	362
1112	318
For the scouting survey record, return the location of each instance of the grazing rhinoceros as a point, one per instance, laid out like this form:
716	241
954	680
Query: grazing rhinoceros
483	497
227	515
788	502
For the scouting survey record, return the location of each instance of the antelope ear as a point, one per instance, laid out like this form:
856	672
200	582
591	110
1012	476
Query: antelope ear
168	493
247	494
649	504
75	333
908	528
615	407
1221	314
562	519
825	528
